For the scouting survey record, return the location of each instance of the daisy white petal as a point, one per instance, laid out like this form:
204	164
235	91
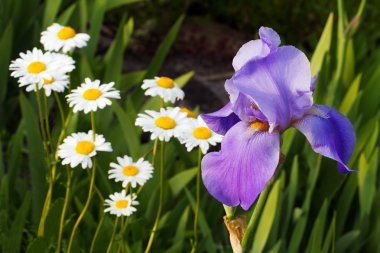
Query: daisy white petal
164	87
92	95
65	38
127	171
121	204
166	123
198	134
78	148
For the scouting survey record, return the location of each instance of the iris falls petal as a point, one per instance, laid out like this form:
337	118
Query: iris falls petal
238	173
222	120
330	134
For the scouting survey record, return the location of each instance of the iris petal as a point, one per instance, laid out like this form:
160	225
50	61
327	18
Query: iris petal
251	50
329	133
279	84
240	171
222	120
269	36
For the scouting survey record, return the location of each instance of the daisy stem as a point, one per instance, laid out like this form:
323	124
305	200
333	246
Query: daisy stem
255	215
122	231
154	229
48	135
154	152
198	200
60	108
47	202
90	190
42	128
67	197
96	233
113	235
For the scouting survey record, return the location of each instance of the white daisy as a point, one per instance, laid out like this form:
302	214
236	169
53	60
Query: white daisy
131	172
58	83
34	66
164	124
78	148
58	37
92	95
164	87
198	134
121	204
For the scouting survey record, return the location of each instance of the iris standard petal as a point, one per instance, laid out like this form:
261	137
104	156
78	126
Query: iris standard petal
279	84
222	120
330	134
269	36
240	171
251	50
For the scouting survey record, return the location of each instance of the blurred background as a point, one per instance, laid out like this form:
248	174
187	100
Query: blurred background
311	208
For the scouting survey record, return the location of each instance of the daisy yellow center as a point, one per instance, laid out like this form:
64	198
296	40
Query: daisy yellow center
190	114
92	94
47	81
66	33
85	147
202	133
130	170
259	126
121	204
165	82
36	67
165	122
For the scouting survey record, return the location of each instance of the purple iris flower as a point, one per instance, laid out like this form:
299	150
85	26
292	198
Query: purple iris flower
270	91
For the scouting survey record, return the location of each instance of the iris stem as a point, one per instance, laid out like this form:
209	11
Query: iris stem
113	235
97	233
255	216
198	201
67	197
161	200
90	191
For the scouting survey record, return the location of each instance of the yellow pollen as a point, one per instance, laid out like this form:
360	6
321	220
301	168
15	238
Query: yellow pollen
92	94
165	82
190	114
47	81
165	122
85	147
36	67
121	204
66	33
259	126
202	133
130	171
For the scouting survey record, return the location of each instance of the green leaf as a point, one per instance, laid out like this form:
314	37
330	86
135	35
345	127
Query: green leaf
38	245
115	55
178	182
315	241
14	241
37	163
6	42
323	46
99	8
346	241
50	12
64	18
15	145
112	4
267	218
203	225
350	96
180	235
127	121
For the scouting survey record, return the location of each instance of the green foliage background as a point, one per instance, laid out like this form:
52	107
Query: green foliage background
310	206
